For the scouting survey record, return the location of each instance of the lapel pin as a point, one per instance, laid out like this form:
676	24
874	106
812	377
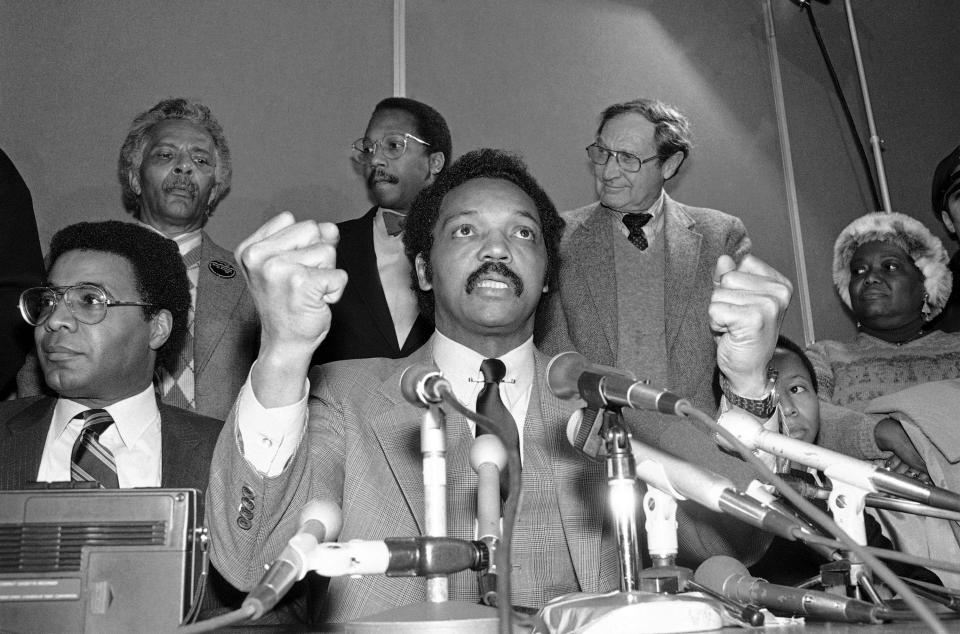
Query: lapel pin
222	269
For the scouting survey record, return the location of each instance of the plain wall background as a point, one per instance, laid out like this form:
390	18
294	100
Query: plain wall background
294	82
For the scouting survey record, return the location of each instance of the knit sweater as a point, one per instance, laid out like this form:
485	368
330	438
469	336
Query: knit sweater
852	374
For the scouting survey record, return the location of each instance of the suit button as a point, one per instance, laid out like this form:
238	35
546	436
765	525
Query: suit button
246	513
247	503
244	523
246	491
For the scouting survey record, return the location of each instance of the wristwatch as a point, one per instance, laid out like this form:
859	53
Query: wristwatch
761	408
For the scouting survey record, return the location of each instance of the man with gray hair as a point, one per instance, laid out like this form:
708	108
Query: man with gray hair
174	169
636	280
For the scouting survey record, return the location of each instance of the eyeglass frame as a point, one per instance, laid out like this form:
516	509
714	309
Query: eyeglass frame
59	294
617	153
364	156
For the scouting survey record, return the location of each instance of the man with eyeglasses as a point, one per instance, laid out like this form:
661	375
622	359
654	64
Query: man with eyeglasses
114	305
635	284
405	147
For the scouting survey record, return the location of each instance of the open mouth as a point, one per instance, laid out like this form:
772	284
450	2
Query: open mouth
495	276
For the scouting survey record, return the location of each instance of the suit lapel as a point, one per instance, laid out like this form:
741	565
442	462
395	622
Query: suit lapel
682	247
361	258
594	262
577	482
397	429
178	444
23	450
217	298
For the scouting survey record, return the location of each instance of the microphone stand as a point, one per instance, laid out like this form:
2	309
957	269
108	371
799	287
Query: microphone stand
622	483
458	616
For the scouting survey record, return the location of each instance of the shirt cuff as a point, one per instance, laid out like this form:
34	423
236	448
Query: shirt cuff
268	438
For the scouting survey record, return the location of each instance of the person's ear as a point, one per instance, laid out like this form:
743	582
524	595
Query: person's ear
423	273
669	167
948	222
133	179
161	325
437	161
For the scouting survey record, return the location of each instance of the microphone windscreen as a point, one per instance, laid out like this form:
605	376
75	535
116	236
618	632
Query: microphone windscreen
488	448
412	379
322	519
716	571
563	372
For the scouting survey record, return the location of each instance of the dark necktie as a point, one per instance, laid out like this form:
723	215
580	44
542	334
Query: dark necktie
635	223
90	461
393	221
490	404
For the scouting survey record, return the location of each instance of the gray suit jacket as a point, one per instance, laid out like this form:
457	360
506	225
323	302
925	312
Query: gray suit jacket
362	451
583	317
226	331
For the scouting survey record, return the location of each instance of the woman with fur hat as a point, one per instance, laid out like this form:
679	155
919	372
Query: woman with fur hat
891	272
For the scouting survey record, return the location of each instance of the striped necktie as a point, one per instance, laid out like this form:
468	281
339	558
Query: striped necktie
178	379
90	461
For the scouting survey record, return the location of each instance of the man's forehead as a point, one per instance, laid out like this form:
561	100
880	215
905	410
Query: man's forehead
387	121
485	194
630	127
170	129
103	268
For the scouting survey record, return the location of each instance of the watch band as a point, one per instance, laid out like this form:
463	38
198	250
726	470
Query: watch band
761	408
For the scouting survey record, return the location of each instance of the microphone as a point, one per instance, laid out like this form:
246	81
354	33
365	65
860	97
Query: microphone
835	465
727	576
399	557
686	481
488	457
319	520
423	385
570	375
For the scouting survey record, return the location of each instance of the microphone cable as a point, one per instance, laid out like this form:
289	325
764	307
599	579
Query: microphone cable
510	438
806	5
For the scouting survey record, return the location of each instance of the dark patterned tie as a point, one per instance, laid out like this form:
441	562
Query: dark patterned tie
635	223
490	404
90	461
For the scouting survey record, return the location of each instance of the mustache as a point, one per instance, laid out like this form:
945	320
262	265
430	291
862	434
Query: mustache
380	174
498	268
179	181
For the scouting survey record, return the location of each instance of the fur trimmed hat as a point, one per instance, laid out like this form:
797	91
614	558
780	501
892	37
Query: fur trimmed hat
924	248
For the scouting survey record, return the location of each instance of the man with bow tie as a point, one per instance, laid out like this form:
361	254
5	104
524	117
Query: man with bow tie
405	147
483	242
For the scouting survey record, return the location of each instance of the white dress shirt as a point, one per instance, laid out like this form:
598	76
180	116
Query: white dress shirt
394	269
270	437
134	440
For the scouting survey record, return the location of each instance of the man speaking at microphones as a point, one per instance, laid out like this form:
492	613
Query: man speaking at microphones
482	241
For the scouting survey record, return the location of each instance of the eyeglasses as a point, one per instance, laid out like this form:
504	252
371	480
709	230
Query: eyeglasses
88	303
393	146
627	161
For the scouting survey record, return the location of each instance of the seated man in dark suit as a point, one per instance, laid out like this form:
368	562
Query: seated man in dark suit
483	245
115	303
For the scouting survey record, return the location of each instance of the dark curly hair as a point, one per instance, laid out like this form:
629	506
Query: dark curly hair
131	153
483	163
431	126
161	277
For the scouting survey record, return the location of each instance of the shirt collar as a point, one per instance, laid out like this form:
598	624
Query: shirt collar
186	242
461	366
131	416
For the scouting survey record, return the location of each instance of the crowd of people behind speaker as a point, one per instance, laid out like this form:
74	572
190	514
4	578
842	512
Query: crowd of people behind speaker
650	315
